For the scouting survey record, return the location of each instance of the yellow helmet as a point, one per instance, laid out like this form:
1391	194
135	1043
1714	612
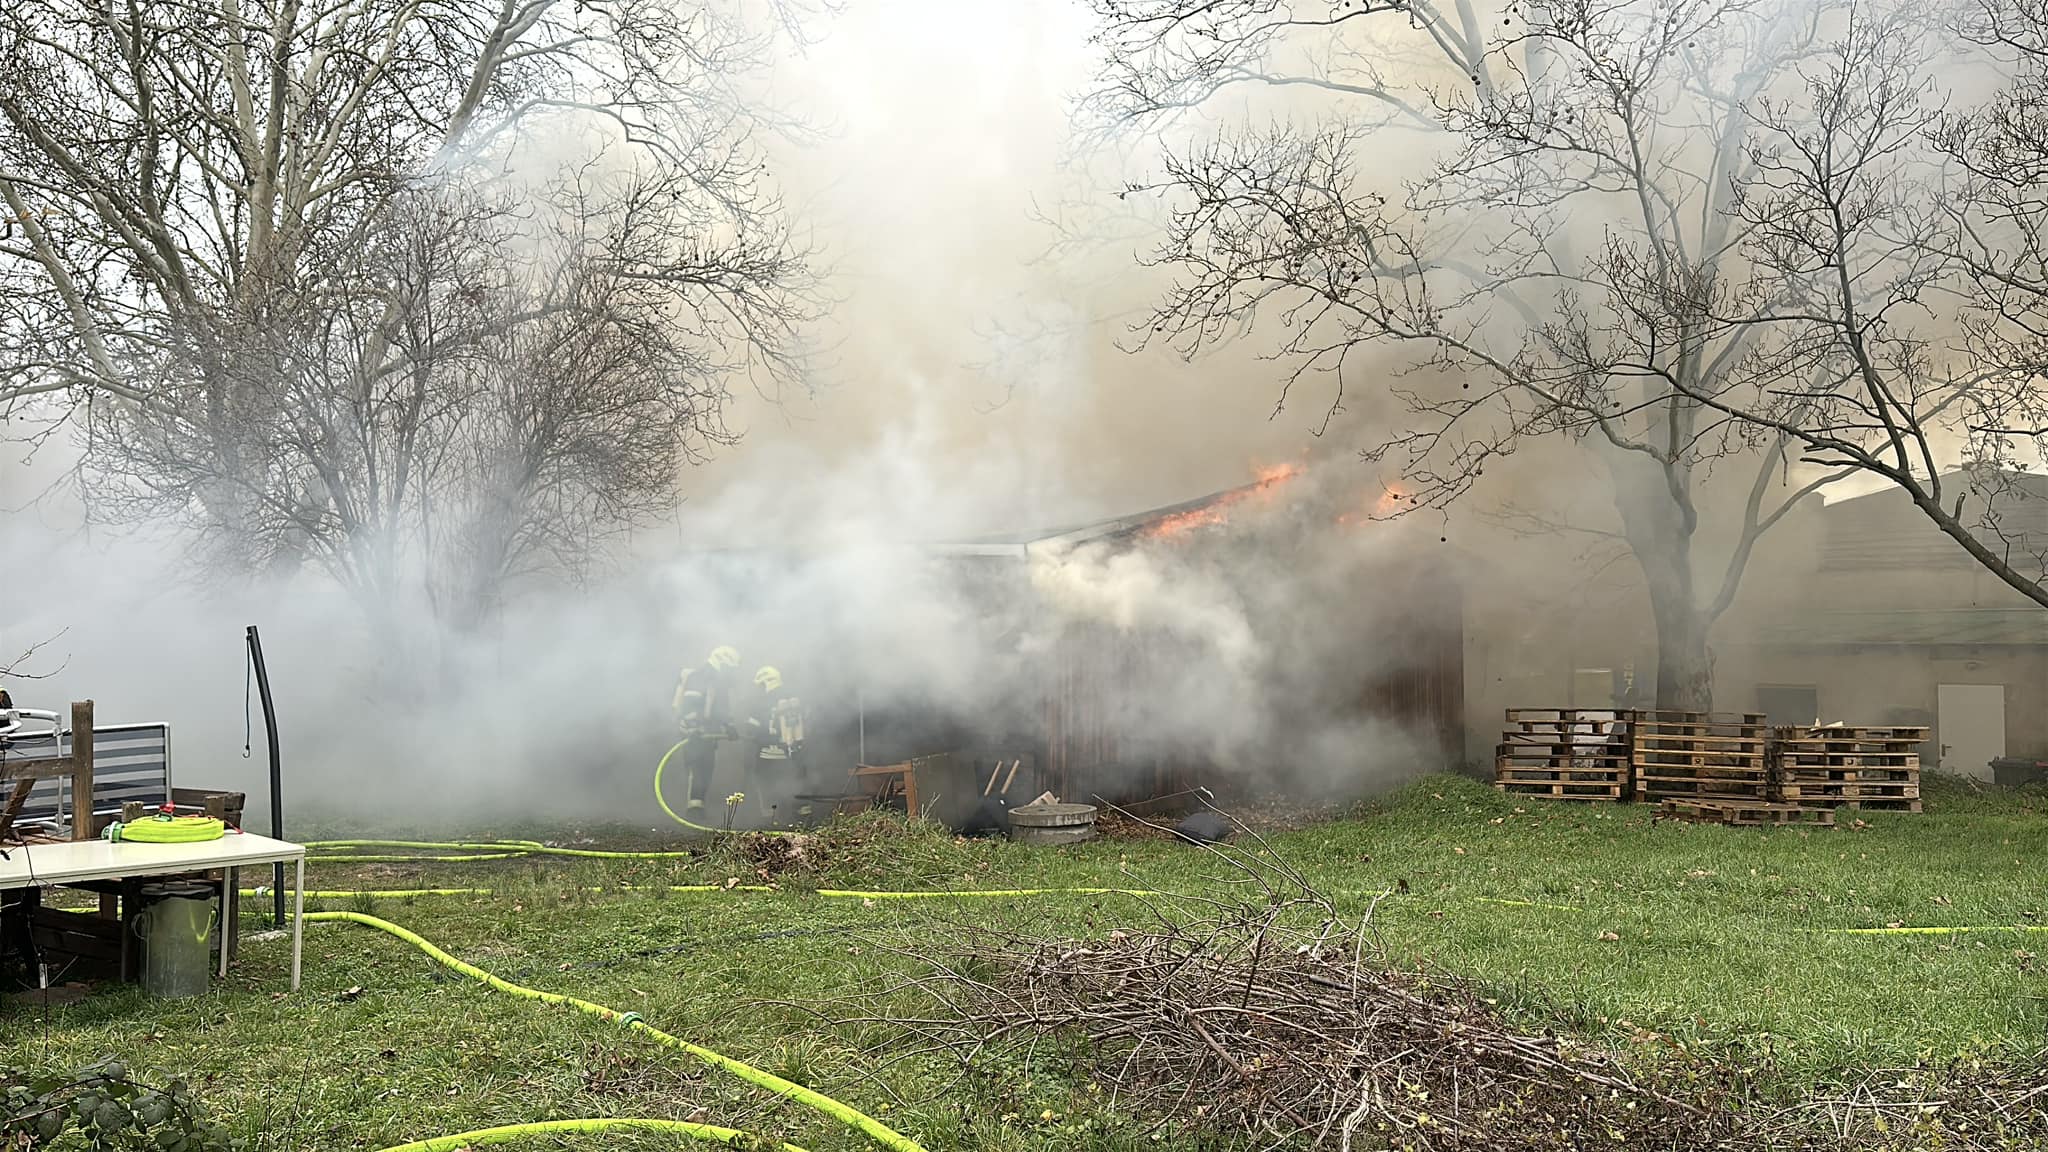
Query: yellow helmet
768	678
724	656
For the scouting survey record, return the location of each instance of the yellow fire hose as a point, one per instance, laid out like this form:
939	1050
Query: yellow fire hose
1902	931
881	1133
658	799
504	1133
404	893
168	830
508	848
830	893
478	857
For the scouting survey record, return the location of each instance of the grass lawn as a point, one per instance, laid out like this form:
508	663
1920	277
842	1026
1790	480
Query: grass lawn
1589	918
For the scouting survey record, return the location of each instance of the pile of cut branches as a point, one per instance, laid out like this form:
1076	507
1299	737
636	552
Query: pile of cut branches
1237	1026
1965	1106
1250	1010
1268	1018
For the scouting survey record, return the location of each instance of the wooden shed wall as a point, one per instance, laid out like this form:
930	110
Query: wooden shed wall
1416	645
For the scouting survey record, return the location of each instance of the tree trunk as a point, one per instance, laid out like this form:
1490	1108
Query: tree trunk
1685	666
1660	534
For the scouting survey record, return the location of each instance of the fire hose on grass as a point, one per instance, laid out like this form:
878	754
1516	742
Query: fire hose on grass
852	1117
507	849
658	799
504	1133
828	893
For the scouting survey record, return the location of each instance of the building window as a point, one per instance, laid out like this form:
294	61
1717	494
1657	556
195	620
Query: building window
1790	705
1592	688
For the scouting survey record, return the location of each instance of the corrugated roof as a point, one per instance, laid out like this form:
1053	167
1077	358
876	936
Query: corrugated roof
1015	544
2034	484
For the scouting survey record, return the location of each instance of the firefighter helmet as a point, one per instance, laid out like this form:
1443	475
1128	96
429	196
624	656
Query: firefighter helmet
768	678
724	656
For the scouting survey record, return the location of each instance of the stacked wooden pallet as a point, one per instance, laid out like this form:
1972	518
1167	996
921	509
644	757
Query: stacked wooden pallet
1564	753
1763	813
1700	756
1849	767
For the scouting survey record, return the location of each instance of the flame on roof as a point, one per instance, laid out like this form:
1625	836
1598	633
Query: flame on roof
1216	510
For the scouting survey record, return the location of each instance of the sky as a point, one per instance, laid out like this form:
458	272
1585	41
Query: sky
957	349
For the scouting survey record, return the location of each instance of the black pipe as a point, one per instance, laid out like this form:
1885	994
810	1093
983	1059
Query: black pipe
276	772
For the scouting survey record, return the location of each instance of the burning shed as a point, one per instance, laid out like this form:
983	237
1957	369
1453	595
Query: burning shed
1271	639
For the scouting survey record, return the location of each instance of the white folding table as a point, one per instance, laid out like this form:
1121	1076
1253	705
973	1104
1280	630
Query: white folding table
55	865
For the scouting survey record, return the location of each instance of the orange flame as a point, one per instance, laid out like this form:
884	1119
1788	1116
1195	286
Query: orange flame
1218	511
1381	507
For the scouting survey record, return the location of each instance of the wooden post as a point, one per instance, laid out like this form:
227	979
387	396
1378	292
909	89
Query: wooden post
81	770
81	804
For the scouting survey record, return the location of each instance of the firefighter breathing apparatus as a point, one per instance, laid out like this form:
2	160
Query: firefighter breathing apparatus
722	659
785	735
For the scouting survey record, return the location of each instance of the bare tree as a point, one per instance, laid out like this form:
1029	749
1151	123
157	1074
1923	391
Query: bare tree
1898	336
17	668
464	407
1565	267
165	163
428	293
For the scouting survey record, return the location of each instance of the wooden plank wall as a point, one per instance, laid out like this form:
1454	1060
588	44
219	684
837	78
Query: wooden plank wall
1093	673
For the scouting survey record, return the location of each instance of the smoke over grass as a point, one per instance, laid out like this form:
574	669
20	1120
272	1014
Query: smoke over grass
970	381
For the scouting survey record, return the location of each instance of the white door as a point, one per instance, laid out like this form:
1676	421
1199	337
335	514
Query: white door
1970	724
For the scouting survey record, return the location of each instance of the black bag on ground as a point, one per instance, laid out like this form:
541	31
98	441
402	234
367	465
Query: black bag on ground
1204	828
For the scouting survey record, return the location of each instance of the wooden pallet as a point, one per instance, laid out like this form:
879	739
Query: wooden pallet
1572	780
1885	789
1847	754
1851	792
1700	756
1566	719
1875	768
1747	788
1565	728
1749	813
1616	741
1669	716
1566	786
1565	755
1888	735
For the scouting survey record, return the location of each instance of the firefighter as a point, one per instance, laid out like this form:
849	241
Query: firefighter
703	707
775	725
